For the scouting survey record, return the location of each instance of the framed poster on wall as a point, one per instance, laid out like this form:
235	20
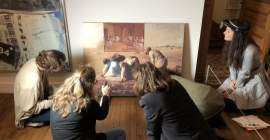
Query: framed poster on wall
28	27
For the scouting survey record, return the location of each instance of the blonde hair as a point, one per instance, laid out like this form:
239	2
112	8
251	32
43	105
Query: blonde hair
75	92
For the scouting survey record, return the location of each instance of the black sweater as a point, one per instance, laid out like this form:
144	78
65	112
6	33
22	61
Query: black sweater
80	126
172	115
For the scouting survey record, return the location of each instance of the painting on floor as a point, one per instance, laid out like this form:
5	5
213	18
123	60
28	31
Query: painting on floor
28	27
116	49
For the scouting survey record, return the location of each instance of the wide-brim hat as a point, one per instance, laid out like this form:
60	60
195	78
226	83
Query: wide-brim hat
243	25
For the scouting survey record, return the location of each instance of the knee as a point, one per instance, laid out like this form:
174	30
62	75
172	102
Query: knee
121	132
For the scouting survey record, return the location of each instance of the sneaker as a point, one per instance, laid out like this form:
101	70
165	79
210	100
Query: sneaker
34	124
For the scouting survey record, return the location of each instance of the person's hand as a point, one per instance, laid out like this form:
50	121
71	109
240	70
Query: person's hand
106	90
47	104
233	84
225	94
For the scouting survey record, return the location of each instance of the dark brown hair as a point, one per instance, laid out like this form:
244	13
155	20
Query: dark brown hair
87	79
149	80
47	59
233	50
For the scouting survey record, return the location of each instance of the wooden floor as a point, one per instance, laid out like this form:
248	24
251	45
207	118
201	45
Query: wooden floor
124	113
238	133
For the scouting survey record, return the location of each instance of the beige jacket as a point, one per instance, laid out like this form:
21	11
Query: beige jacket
29	93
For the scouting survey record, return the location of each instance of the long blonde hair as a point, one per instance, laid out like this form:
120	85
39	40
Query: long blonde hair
75	92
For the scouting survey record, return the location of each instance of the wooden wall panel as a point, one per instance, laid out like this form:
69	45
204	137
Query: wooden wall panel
258	13
260	7
204	40
257	31
255	17
258	40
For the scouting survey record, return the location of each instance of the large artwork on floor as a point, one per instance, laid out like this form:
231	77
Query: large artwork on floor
115	49
28	27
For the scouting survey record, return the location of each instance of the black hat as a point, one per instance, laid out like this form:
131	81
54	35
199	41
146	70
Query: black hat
236	25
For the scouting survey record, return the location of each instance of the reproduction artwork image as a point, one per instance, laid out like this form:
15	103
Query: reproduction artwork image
28	27
123	36
162	45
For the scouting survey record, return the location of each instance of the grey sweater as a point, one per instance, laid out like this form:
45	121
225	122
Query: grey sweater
251	65
252	90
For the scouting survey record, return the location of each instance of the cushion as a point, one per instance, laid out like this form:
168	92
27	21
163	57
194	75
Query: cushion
208	101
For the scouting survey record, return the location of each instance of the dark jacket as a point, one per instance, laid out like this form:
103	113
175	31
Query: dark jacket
80	126
172	115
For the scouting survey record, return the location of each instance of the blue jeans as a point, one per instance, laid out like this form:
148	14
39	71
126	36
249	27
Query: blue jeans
42	117
115	134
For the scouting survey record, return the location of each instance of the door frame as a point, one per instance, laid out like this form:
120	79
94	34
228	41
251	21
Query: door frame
204	40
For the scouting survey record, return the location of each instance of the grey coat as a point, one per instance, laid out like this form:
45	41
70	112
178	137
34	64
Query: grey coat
252	90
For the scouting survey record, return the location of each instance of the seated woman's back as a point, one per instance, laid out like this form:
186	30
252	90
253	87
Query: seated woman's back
169	111
74	111
76	125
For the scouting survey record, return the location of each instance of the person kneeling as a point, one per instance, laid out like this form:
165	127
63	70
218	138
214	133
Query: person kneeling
32	89
169	111
74	111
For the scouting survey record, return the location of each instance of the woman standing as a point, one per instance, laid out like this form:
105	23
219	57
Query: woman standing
246	86
74	111
169	111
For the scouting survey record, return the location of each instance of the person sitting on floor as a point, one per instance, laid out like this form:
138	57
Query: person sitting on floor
31	88
169	111
246	88
75	111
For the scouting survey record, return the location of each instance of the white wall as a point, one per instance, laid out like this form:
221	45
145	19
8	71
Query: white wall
143	11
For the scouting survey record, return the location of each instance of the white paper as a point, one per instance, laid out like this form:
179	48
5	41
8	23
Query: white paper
251	122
